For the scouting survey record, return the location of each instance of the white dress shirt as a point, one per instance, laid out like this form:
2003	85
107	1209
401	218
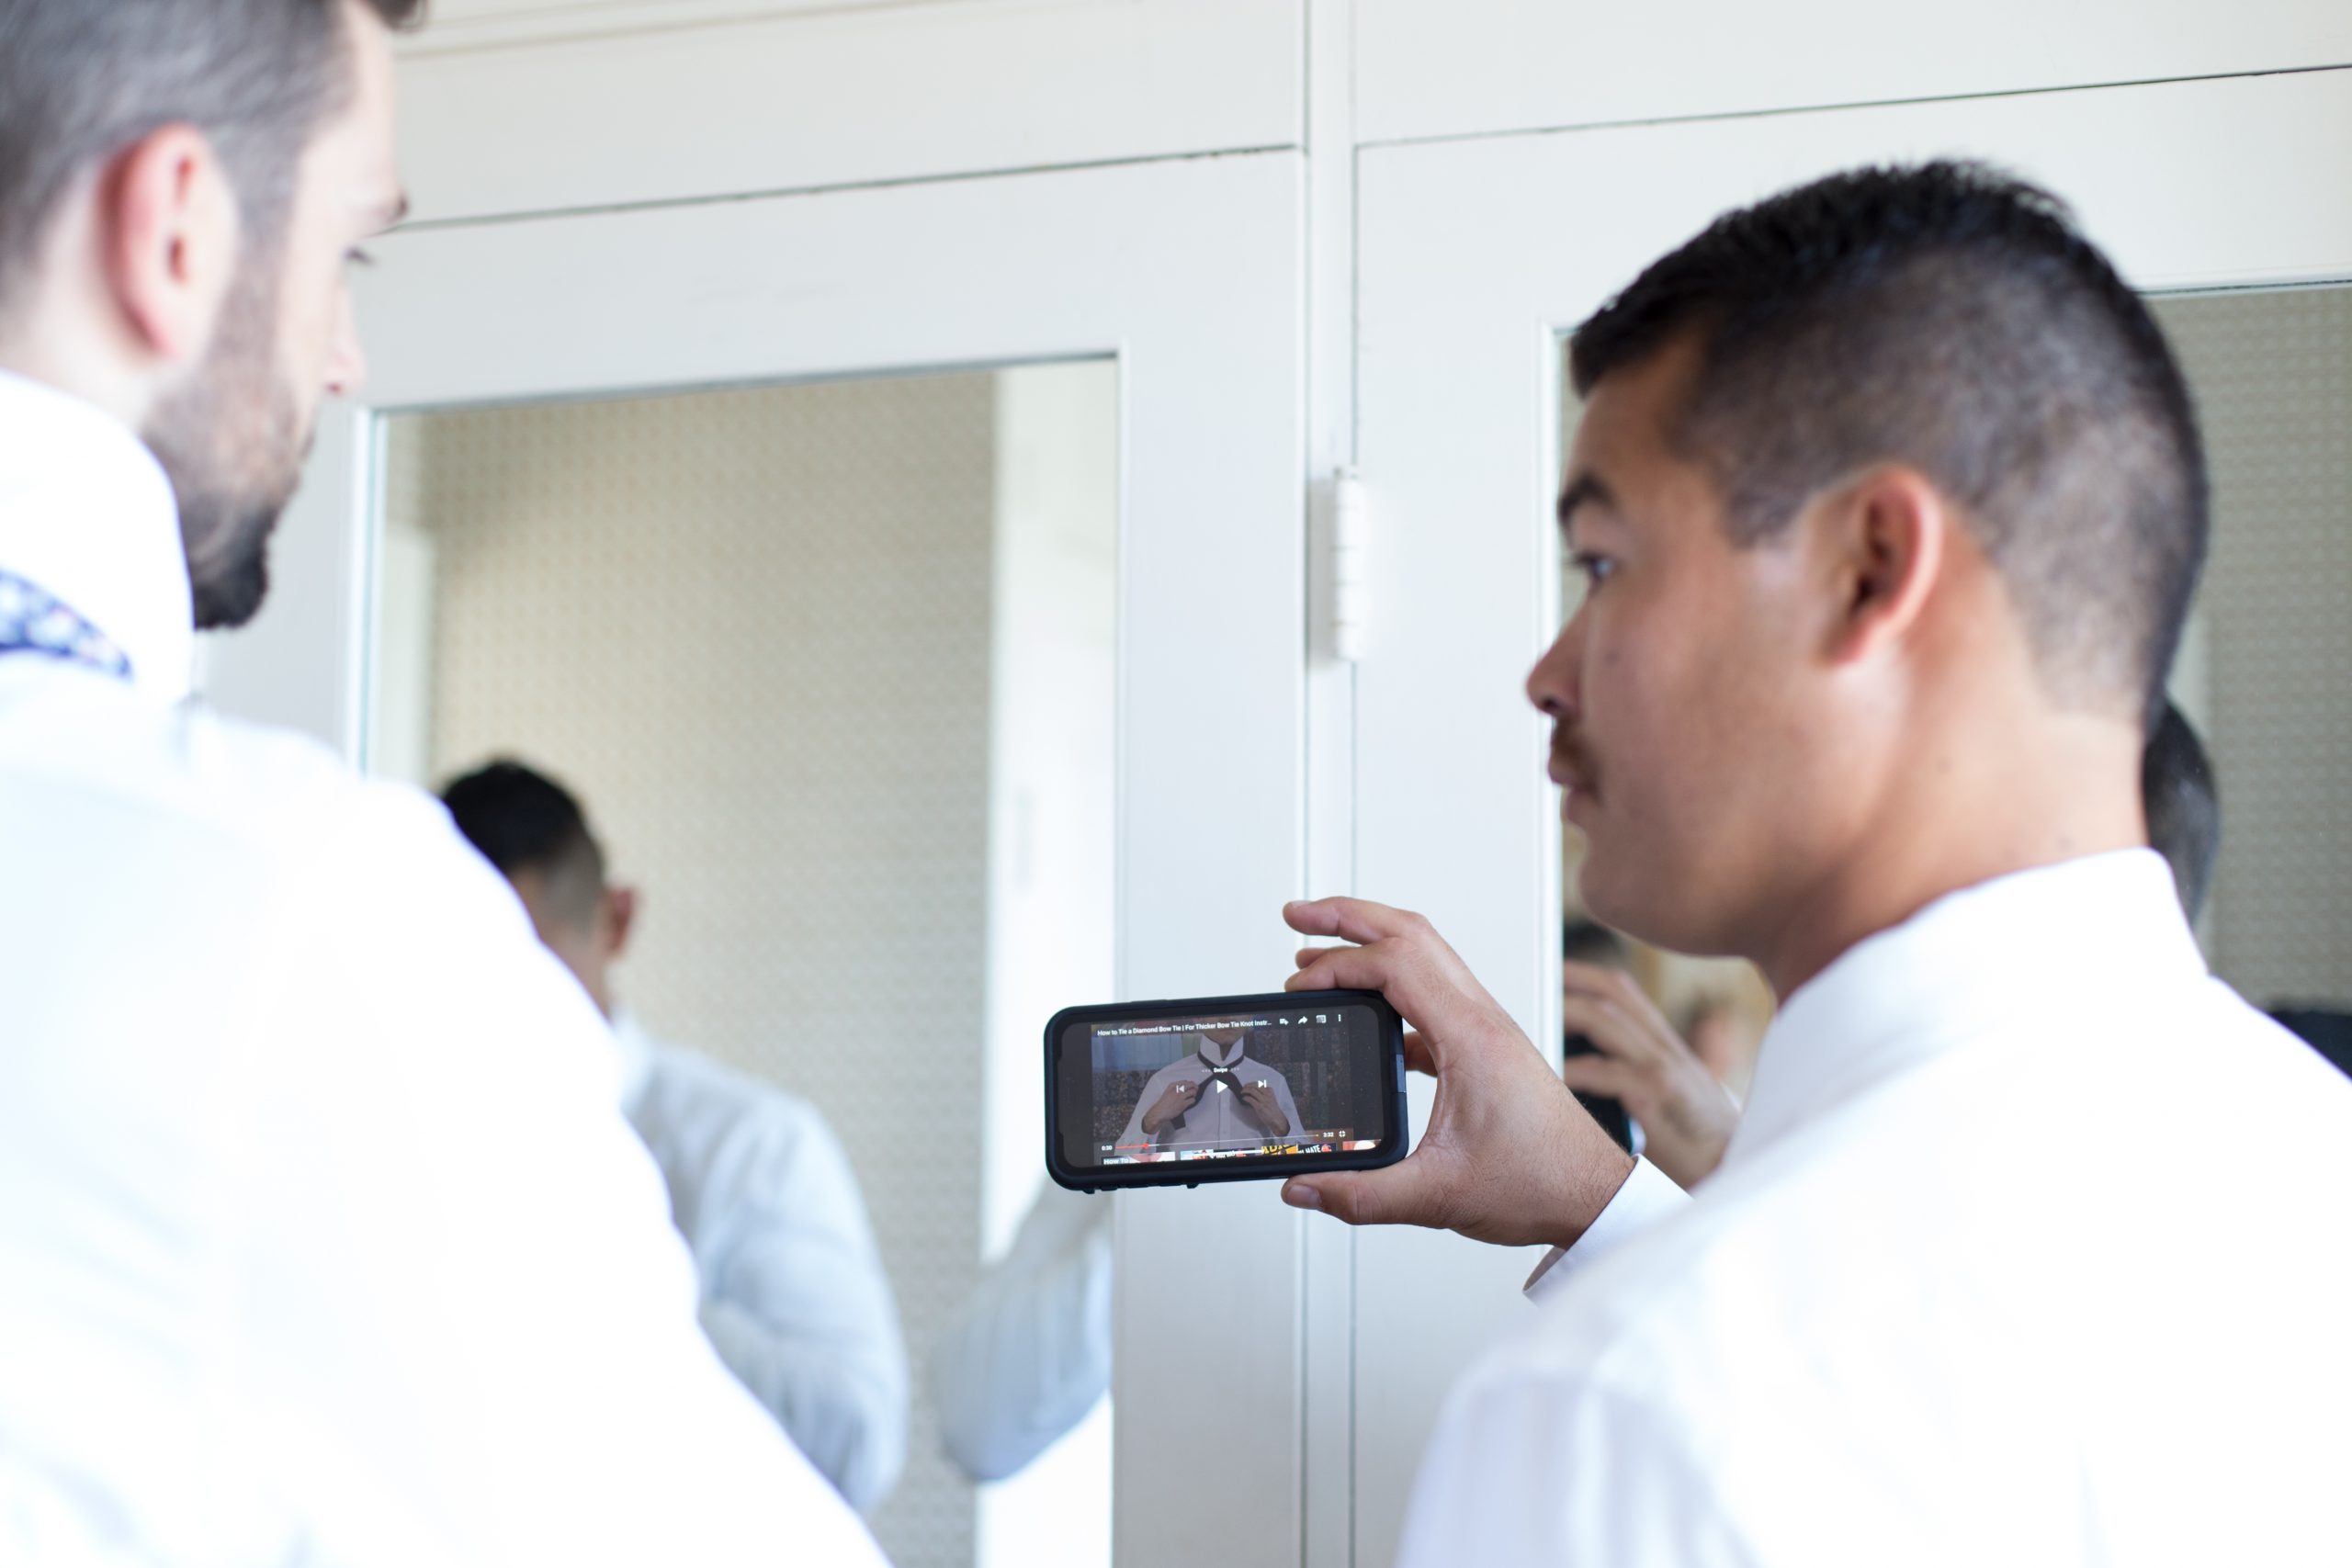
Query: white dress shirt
2030	1248
1030	1355
793	1291
322	1236
1214	1121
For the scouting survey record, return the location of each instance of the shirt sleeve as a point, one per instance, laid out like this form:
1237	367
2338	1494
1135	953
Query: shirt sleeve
480	1323
1530	1463
798	1306
1648	1196
1030	1355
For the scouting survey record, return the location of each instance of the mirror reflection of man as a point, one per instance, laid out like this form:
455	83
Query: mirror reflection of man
794	1297
1215	1097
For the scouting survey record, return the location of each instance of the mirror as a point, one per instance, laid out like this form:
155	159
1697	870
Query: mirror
832	669
2261	672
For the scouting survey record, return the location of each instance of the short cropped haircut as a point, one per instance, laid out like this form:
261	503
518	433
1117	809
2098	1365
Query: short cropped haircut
522	821
1950	319
2183	808
83	80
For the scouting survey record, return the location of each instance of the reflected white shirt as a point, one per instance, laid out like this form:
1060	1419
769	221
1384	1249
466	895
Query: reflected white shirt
321	1235
1030	1354
793	1292
1990	1273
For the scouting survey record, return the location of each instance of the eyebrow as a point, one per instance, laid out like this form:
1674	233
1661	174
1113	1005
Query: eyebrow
1587	488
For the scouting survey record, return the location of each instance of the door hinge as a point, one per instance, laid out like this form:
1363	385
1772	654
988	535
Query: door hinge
1350	531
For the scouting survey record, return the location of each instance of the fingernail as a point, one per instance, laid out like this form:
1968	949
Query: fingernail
1302	1197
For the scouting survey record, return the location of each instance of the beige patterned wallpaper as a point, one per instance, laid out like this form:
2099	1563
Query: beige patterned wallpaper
751	629
2272	372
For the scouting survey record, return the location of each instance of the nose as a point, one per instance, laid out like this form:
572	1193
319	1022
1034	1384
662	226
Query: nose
346	361
1554	685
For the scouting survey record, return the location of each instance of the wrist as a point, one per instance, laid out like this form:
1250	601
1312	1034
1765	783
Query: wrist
1587	1194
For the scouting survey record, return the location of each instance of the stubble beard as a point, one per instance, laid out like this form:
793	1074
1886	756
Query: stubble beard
232	441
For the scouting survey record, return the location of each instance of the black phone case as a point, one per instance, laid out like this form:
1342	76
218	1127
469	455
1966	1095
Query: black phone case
1262	1167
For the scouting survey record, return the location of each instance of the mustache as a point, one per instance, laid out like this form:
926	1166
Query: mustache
1569	756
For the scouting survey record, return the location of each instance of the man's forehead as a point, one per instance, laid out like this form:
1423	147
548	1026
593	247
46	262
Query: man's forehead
1625	435
359	136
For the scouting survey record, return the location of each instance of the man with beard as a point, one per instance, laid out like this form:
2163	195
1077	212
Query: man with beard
270	1289
1890	501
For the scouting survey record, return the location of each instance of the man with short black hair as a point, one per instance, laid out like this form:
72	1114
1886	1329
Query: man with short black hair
1890	499
794	1297
270	1291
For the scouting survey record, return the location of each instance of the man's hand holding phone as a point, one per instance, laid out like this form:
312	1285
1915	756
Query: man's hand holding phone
1510	1156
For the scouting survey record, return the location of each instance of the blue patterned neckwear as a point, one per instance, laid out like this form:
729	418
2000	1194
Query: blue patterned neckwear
33	620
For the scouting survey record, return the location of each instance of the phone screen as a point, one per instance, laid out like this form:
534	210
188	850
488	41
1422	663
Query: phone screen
1226	1088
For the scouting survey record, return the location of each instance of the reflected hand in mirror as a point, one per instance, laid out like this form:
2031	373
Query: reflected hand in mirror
1686	1116
1509	1155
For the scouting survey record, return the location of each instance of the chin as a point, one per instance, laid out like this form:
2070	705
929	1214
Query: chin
1622	897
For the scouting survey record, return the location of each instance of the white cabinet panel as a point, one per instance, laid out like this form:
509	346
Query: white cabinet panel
473	23
1469	67
1475	256
619	110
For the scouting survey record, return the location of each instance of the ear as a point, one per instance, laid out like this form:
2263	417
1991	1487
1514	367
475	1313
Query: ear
620	919
168	238
1884	537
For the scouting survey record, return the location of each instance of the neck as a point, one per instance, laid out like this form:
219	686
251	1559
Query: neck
1958	813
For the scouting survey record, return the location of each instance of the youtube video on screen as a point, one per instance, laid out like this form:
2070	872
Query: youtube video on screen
1287	1078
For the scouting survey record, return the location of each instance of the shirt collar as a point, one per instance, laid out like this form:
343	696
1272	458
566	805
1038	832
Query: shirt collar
87	512
2025	944
1210	1050
636	1048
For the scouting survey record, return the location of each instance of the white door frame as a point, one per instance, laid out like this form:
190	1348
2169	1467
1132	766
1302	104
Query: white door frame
1473	256
1189	272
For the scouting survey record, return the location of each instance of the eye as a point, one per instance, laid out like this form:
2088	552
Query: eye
1595	569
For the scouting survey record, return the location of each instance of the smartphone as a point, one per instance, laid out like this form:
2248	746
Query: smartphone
1223	1089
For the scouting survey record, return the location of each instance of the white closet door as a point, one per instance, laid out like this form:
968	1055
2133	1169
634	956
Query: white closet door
515	105
1188	272
1476	256
1476	67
